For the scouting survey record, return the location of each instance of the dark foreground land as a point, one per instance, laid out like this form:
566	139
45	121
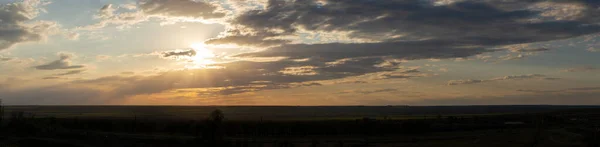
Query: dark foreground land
356	126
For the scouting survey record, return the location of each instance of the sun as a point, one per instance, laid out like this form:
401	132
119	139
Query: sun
203	55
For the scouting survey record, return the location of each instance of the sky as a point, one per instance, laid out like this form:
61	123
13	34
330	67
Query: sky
300	52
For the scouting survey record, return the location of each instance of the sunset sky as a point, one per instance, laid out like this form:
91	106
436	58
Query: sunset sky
299	52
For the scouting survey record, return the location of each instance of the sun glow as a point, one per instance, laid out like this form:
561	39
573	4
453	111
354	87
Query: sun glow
203	55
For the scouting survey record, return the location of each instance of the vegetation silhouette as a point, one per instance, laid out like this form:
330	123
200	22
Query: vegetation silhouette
214	130
569	127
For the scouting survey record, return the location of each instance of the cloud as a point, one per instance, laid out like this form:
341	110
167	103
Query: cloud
72	72
106	11
127	15
63	63
120	20
51	78
401	30
400	74
399	50
352	82
17	25
312	84
380	31
582	69
468	81
520	77
240	76
240	89
178	53
2	58
244	76
180	8
580	89
513	77
370	91
467	21
248	40
511	57
530	50
71	35
299	70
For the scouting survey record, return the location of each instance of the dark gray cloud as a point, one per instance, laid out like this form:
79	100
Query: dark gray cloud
513	77
180	8
106	11
178	53
400	50
531	50
417	28
312	84
63	63
72	72
16	25
248	40
51	78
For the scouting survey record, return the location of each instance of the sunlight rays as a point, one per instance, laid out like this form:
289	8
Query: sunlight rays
203	55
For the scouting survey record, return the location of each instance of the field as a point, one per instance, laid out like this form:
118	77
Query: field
277	112
283	126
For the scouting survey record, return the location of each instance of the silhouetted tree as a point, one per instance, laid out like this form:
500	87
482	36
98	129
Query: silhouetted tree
216	116
214	132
